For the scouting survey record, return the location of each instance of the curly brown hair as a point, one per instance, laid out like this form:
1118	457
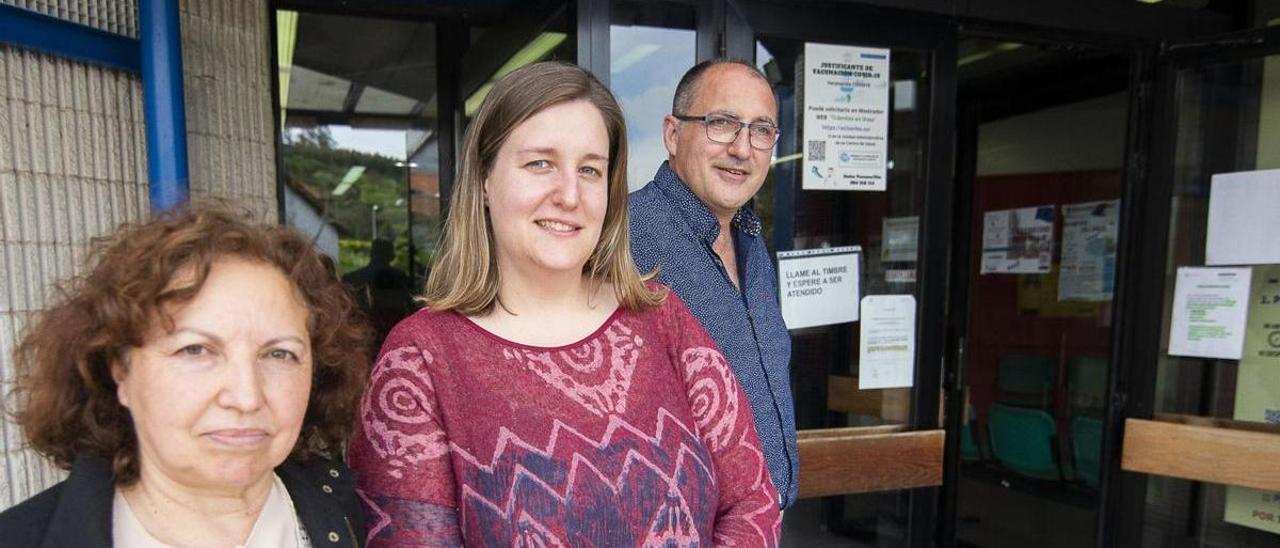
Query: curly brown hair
65	395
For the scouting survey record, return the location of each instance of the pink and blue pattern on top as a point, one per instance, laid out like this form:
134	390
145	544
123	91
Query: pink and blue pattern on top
637	435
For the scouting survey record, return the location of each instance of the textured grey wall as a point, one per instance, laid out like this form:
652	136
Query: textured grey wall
227	69
73	159
118	16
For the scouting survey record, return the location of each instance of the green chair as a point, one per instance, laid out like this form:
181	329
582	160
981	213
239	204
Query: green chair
1086	443
1087	385
1024	440
1027	380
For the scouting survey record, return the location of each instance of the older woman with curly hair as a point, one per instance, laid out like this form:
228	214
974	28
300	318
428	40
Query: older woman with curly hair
195	382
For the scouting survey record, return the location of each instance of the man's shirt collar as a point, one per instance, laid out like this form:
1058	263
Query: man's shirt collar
700	218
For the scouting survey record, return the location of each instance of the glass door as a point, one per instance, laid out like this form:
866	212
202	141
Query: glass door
861	181
1200	434
1041	141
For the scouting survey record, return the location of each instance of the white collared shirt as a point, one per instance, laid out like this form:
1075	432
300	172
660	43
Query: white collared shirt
277	525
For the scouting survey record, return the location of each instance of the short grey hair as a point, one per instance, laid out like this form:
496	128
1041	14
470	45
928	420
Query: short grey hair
688	86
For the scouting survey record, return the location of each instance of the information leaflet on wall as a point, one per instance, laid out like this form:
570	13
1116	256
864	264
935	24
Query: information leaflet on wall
1242	223
819	286
1018	241
899	237
1089	234
887	342
1209	306
846	117
1258	393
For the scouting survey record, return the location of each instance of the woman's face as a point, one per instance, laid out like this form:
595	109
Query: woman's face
548	190
219	401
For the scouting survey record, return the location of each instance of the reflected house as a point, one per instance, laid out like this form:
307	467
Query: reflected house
425	191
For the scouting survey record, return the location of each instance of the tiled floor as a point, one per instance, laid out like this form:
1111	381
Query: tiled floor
803	527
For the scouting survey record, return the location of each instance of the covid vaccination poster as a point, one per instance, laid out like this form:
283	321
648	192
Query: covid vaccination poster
846	117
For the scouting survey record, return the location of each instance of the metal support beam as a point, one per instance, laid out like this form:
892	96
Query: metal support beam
710	30
35	31
593	37
160	38
451	41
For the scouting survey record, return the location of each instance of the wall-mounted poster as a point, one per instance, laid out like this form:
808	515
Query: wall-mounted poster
1089	234
846	117
819	286
1038	297
1258	393
1018	241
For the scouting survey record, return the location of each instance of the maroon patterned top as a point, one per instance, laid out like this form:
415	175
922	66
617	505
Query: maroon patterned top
636	435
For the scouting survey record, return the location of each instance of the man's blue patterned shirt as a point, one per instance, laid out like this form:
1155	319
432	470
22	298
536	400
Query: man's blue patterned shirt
671	229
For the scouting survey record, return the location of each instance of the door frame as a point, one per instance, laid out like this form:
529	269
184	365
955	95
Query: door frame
933	34
1146	209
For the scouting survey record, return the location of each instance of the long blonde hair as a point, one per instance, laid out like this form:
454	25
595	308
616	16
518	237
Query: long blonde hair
465	275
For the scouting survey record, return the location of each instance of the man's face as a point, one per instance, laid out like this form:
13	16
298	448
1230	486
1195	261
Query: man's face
724	175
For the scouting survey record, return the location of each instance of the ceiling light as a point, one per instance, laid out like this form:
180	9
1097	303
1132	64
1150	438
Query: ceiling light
536	50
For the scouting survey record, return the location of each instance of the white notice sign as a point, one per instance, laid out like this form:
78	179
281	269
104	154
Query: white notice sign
846	117
1243	223
887	342
819	286
1209	311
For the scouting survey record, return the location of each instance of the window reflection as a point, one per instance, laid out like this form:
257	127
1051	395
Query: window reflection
360	167
649	51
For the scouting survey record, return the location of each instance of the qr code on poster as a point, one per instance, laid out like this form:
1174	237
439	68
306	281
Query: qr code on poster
817	151
1272	416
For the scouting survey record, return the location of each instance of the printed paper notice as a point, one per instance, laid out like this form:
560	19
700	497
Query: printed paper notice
1258	393
1018	241
887	342
819	286
846	117
1242	219
1089	235
1209	306
899	237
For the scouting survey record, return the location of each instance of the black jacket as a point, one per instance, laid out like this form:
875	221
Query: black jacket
77	511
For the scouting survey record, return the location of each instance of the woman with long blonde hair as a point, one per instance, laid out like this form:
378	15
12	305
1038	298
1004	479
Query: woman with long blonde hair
548	394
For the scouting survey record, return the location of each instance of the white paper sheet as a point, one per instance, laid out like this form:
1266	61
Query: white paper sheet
887	342
1209	312
819	286
1244	223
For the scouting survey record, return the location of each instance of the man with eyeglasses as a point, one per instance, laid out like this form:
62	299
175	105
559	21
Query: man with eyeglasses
692	223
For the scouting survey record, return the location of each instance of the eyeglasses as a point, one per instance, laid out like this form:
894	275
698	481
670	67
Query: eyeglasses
724	130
